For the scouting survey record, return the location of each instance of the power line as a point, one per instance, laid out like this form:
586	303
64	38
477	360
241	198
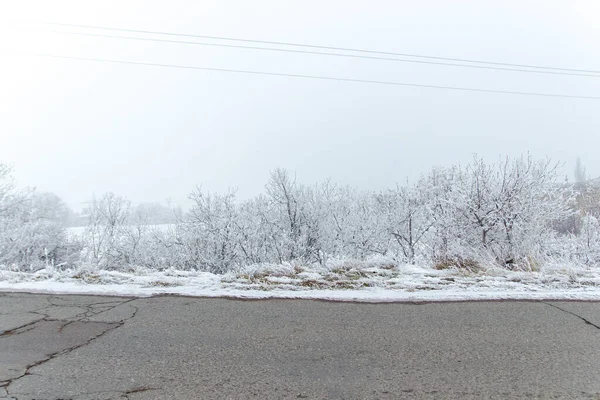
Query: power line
328	54
328	78
389	53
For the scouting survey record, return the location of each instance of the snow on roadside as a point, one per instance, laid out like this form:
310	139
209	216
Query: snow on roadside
343	281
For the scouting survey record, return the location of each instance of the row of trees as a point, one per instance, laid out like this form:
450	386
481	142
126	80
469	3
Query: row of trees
512	213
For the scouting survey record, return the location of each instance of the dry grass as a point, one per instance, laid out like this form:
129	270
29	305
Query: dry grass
458	262
87	277
163	284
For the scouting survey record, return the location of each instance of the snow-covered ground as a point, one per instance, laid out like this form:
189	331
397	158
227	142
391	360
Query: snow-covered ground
343	281
76	232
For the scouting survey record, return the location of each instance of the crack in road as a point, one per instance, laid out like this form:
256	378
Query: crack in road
81	317
117	394
588	322
14	331
138	390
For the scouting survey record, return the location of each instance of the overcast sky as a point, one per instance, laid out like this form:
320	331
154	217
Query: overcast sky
77	127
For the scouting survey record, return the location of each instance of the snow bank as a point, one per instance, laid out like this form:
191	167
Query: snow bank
344	282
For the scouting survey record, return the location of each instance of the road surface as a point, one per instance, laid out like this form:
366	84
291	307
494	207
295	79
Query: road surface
87	347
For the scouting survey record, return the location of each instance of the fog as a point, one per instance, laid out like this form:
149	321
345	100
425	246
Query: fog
79	128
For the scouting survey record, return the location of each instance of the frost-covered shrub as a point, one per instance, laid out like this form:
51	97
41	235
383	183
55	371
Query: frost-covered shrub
583	248
207	236
32	226
501	212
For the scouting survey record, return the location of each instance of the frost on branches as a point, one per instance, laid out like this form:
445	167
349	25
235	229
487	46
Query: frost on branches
513	213
32	230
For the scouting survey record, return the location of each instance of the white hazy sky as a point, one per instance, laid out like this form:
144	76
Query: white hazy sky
147	133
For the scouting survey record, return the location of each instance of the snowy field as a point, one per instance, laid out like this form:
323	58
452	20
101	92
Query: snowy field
343	282
76	232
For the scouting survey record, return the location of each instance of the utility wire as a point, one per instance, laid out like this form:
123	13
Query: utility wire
323	47
327	78
328	54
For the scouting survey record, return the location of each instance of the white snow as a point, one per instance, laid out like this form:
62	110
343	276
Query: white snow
77	232
368	284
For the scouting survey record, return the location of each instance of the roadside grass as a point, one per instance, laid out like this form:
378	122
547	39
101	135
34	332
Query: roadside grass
346	275
337	275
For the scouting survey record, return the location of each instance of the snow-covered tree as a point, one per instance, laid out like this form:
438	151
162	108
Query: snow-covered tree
106	231
505	210
32	225
207	233
407	218
580	174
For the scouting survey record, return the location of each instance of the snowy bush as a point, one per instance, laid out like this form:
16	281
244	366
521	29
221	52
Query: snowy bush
501	212
32	226
206	235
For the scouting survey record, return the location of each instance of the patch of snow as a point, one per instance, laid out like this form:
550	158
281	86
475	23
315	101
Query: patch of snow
385	283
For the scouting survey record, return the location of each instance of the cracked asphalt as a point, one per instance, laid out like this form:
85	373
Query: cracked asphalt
88	347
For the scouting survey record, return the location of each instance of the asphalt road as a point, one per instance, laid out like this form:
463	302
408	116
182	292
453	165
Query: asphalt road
84	347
